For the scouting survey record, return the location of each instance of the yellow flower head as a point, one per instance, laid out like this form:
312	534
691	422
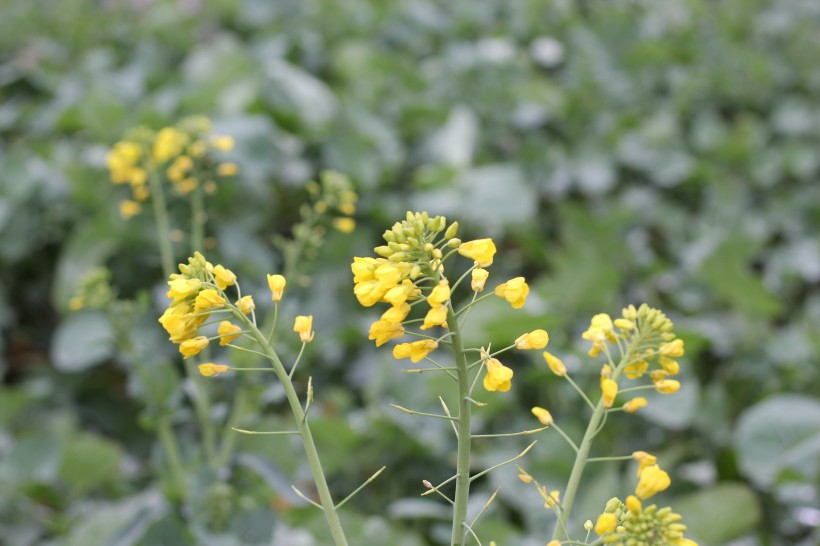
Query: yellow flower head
439	295
635	404
303	325
222	143
415	351
180	323
191	347
480	250
667	386
208	299
369	293
514	291
396	313
437	316
168	143
211	369
401	293
363	269
673	349
179	289
129	209
636	370
670	366
544	416
606	523
345	225
609	388
644	460
245	305
651	480
555	364
227	332
223	277
382	331
276	283
498	377
537	339
479	277
600	329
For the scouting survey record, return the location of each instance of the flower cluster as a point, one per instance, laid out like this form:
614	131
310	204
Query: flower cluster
184	155
630	524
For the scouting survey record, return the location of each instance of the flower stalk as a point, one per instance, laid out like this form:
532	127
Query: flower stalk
464	433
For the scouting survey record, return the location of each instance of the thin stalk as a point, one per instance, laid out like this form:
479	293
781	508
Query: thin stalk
169	444
327	505
163	225
197	219
202	407
464	434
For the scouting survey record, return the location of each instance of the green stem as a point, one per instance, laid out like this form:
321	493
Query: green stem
464	434
163	225
169	444
228	443
202	407
327	504
197	219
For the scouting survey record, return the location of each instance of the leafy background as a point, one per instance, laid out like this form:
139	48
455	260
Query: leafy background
618	152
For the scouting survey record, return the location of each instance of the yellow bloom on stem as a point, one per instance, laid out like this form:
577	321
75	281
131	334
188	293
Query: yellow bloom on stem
651	480
208	299
537	339
633	504
345	225
223	277
222	143
369	293
168	143
609	388
667	386
479	277
179	322
437	316
389	275
600	329
276	283
514	291
544	416
227	169
396	313
439	295
498	377
553	499
179	289
606	523
635	404
227	332
191	347
303	325
555	364
210	369
401	293
672	349
636	370
382	331
669	366
245	305
644	460
418	350
480	250
129	209
363	269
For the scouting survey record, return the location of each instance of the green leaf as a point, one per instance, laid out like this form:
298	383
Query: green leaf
90	461
83	340
779	433
720	514
34	459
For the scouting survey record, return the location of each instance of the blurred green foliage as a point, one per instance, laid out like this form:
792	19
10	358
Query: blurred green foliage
618	152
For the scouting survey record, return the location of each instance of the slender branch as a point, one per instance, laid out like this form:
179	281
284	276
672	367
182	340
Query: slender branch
365	484
305	498
499	465
413	412
439	486
580	392
564	435
472	533
504	435
268	433
486	505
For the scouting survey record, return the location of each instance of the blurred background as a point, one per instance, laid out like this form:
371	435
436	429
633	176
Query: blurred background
620	152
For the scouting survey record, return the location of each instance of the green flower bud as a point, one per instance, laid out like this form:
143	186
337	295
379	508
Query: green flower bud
451	231
383	251
454	243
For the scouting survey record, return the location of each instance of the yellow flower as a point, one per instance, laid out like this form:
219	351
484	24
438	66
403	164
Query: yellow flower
644	460
415	351
276	283
227	332
439	295
168	143
499	377
129	209
636	370
382	331
553	499
401	293
345	225
437	316
555	364
606	523
479	277
672	349
363	269
370	293
635	404
633	504
544	416
609	388
245	305
227	169
669	366
514	291
600	329
182	288
223	277
222	143
537	339
389	275
396	313
208	299
651	480
304	326
180	323
191	347
667	386
524	476
480	250
210	369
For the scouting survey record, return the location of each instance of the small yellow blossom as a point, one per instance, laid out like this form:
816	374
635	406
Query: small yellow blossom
245	305
606	523
389	274
544	416
227	332
555	364
669	366
537	339
191	347
553	499
524	476
382	331
345	225
480	250
208	299
514	291
651	480
227	169
168	143
182	288
600	329
437	316
609	388
479	277
401	293
396	313
644	460
129	209
635	404
276	283
499	377
672	349
223	277
418	350
363	269
210	369
222	143
636	370
633	504
369	293
667	386
439	295
303	325
180	323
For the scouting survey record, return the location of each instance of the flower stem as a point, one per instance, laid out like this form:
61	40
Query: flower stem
169	444
464	435
163	226
312	454
197	219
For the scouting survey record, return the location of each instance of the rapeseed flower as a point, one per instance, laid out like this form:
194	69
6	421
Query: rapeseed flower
303	325
498	377
514	291
415	351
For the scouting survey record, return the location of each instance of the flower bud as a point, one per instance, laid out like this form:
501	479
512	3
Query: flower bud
451	231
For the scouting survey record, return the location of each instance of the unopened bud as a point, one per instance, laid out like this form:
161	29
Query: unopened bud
389	236
451	231
383	251
427	484
437	253
454	243
612	505
588	525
